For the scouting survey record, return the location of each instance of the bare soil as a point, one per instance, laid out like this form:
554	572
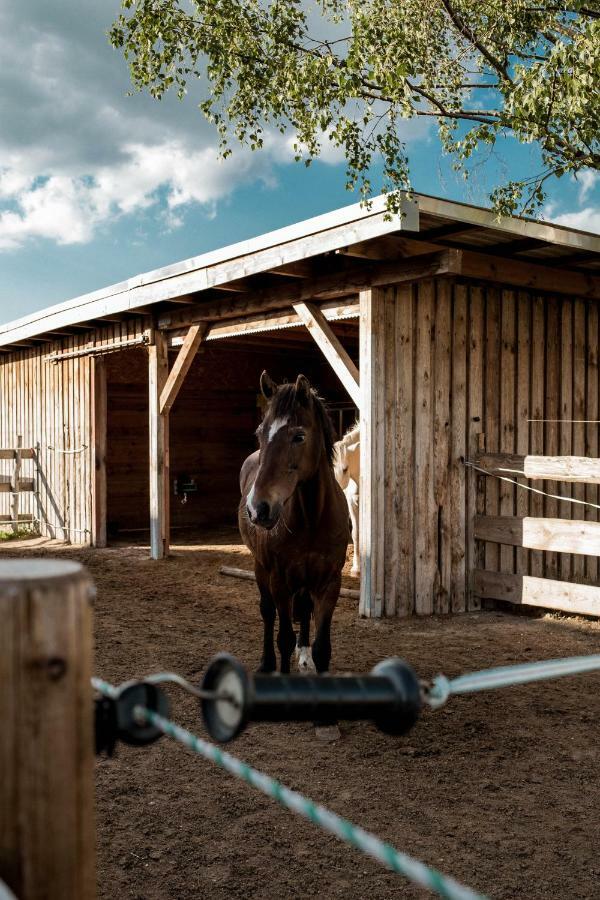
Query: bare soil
500	790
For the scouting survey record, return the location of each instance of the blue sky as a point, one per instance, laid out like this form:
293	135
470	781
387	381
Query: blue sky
96	186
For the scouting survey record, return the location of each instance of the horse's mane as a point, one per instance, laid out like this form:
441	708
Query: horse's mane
351	436
285	400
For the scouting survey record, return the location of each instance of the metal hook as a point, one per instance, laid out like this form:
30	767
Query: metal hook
188	687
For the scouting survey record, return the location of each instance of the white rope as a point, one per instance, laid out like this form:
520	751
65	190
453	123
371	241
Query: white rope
60	450
506	676
528	487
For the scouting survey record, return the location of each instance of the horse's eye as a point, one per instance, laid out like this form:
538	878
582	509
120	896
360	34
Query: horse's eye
299	438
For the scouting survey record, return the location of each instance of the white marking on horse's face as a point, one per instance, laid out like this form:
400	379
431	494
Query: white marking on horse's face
249	501
276	424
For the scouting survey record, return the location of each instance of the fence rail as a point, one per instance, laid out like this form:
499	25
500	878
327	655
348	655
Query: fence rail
558	535
15	485
537	533
581	469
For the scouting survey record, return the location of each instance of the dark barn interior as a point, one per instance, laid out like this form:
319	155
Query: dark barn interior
212	424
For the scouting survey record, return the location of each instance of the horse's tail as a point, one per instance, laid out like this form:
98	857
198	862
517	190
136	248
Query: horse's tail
302	605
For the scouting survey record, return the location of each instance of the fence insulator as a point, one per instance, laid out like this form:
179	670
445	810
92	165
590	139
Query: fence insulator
390	697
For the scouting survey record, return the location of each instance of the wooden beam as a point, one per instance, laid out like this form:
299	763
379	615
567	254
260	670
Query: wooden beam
99	413
302	269
529	275
578	599
333	350
181	367
372	448
385	248
23	517
356	279
509	248
333	311
158	372
7	486
26	453
452	229
581	469
555	535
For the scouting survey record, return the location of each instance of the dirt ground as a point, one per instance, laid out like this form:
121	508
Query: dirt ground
500	790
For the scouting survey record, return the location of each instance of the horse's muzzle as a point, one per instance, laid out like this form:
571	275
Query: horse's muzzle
264	516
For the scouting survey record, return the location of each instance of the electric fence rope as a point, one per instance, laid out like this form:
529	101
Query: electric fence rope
417	872
435	695
341	828
442	688
527	487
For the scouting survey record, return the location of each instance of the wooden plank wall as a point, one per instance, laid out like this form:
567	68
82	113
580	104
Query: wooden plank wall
50	405
465	367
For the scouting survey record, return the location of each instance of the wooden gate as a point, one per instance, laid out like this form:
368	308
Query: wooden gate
566	536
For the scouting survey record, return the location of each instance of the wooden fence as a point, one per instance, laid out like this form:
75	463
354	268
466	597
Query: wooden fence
538	533
15	484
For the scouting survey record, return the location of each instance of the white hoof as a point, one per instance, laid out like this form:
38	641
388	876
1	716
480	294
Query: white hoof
304	660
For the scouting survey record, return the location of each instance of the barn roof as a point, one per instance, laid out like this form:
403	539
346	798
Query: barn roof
303	251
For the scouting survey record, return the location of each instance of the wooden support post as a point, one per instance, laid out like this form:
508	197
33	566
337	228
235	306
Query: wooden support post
47	840
99	419
372	441
182	364
16	485
335	353
158	373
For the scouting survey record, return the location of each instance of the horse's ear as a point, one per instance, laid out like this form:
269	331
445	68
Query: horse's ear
267	385
302	389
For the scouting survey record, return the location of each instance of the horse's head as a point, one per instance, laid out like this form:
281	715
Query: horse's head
294	436
346	454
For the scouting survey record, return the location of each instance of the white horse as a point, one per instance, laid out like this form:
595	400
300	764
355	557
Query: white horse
346	465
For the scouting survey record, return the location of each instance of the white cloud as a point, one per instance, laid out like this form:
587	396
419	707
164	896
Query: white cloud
587	219
77	153
68	209
588	179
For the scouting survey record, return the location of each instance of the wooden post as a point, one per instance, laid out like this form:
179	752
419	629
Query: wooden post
332	348
158	373
372	441
99	426
46	739
15	486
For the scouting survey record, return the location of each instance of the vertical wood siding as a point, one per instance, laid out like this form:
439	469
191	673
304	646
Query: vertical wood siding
50	405
466	367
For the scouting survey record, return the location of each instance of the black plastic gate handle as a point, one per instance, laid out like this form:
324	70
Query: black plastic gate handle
390	696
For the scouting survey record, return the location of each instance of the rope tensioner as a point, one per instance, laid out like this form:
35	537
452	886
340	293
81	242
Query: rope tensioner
390	697
230	698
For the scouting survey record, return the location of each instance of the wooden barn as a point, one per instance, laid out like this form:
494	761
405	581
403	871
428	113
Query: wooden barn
131	408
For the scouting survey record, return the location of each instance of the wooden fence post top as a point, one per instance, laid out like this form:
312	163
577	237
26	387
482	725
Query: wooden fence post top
47	836
38	571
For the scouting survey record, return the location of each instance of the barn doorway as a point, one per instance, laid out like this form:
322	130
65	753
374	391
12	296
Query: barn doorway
212	425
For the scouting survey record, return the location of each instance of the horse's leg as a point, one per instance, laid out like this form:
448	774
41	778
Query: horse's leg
286	636
268	662
325	604
326	728
303	652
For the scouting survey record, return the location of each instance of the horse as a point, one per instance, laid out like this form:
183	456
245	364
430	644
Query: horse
293	518
346	466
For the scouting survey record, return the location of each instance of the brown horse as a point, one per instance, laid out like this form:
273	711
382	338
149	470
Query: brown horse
293	516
